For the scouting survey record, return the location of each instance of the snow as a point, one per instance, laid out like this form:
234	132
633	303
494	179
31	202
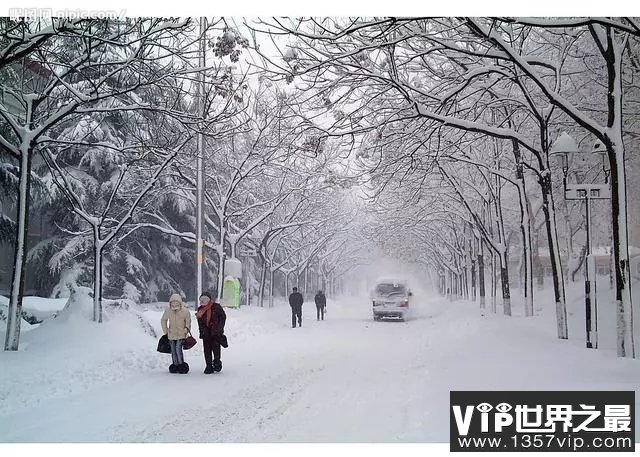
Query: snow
390	280
40	308
564	144
290	54
345	379
233	268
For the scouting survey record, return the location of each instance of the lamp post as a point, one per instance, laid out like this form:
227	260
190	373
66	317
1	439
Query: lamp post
200	94
566	147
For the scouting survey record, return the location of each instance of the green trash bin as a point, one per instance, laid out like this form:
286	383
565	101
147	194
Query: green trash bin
231	292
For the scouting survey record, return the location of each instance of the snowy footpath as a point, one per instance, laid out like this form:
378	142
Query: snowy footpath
345	379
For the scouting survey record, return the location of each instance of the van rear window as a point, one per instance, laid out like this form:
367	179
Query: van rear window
390	289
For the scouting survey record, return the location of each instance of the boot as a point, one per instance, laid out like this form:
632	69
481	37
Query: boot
208	369
173	368
217	366
183	368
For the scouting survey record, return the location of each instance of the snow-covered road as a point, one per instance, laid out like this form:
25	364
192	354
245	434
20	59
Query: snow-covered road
346	379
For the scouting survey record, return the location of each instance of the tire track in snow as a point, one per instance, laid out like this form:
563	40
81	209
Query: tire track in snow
239	417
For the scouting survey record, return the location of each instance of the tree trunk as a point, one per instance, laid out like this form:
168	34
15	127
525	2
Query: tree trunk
583	257
14	316
472	256
554	257
447	282
622	274
538	268
525	232
506	290
473	280
481	283
454	285
263	280
504	254
465	282
494	283
527	261
286	283
97	275
615	151
220	270
221	255
270	288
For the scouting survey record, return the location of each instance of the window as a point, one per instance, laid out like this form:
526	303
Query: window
388	290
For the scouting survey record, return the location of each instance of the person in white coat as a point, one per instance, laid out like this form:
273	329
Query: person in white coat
176	324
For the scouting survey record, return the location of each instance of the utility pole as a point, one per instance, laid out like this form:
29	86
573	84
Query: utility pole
200	91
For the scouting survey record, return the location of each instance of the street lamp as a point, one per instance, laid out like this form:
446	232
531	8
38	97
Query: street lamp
582	162
200	107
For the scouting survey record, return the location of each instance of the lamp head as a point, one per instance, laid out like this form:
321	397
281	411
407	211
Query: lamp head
563	147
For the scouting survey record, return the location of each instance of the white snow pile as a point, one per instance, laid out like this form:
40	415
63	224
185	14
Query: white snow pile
70	353
39	308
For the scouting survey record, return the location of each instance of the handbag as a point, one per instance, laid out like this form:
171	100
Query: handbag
189	342
163	345
223	341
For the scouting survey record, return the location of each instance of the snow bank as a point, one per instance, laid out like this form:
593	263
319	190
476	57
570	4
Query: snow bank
40	308
70	353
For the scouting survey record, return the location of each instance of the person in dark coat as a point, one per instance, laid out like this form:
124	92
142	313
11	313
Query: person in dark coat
296	301
321	303
211	319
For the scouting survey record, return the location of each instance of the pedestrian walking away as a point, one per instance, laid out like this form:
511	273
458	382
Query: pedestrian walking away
321	304
211	319
176	324
295	301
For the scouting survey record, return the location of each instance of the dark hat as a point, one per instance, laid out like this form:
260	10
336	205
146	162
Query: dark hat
212	295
